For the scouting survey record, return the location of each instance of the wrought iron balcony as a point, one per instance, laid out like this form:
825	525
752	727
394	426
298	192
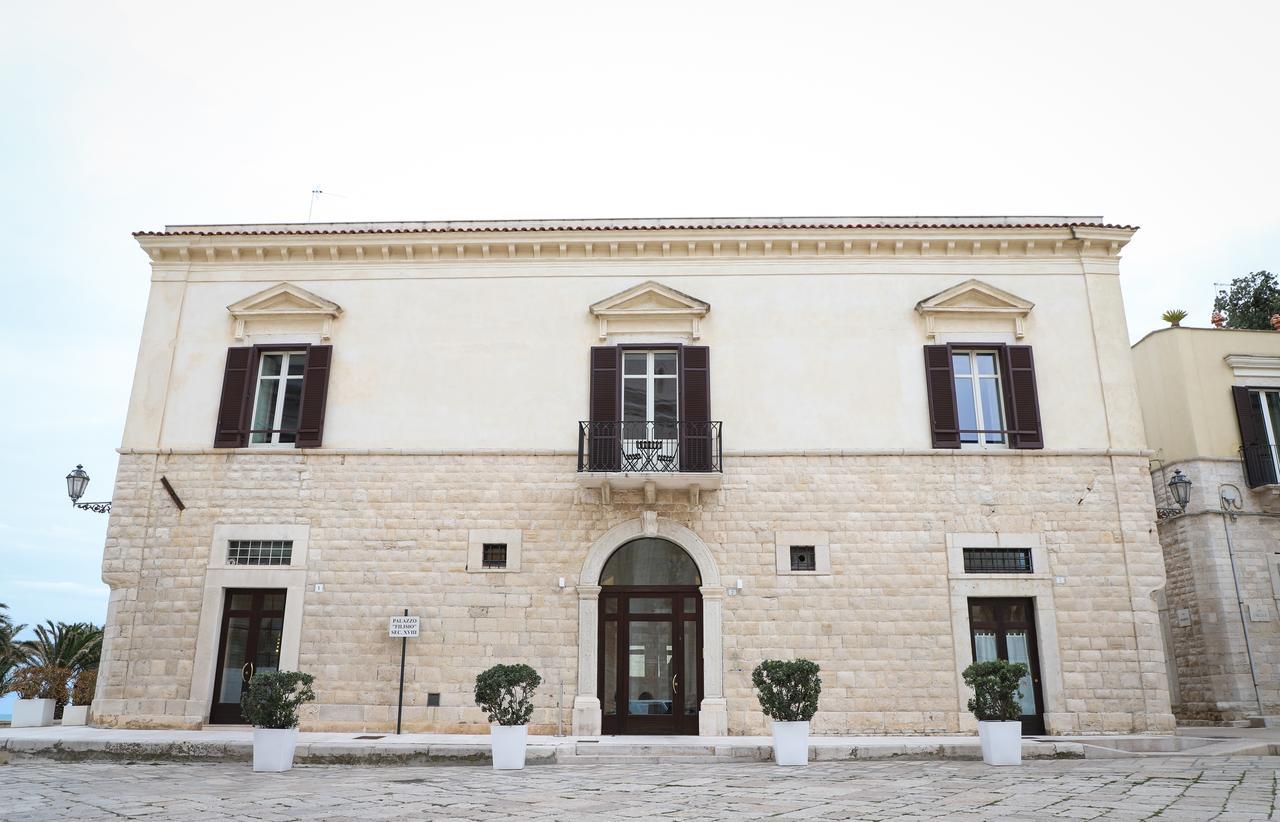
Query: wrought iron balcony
650	447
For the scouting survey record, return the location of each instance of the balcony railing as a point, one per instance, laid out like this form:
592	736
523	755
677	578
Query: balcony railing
650	447
1260	463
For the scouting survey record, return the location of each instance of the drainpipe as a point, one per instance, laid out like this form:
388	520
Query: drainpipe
1228	503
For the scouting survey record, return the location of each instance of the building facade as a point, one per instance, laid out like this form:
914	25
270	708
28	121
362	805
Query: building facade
641	456
1211	399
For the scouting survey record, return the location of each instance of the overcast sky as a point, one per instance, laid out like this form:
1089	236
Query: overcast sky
116	117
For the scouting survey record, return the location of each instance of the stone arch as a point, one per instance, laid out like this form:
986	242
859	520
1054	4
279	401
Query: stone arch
670	530
713	716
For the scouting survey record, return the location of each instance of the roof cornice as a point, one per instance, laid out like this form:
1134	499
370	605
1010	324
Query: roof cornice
567	240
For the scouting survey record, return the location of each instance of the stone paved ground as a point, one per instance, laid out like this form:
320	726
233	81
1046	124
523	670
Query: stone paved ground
1177	788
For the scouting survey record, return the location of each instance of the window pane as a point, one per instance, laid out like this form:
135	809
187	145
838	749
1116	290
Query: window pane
273	602
650	561
664	401
992	413
986	364
633	363
649	605
664	363
241	602
296	363
292	405
234	656
271	365
966	411
633	400
984	646
690	605
1016	645
960	363
1273	409
265	413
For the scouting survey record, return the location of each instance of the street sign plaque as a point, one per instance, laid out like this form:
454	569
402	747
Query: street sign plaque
404	626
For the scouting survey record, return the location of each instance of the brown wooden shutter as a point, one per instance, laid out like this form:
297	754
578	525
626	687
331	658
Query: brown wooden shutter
1257	463
232	429
604	441
315	396
940	385
696	439
1022	401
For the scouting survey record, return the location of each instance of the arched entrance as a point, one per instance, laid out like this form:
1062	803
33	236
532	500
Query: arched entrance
596	590
650	678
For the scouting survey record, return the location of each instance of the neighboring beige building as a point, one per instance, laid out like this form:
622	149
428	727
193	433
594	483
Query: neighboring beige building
1211	401
641	456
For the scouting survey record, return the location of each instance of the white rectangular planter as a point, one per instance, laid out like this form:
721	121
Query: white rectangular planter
790	743
75	715
509	743
32	713
273	749
1001	742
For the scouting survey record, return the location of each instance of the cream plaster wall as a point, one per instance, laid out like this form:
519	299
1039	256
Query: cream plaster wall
493	354
1185	384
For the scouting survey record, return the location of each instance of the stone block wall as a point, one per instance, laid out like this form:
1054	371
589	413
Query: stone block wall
1213	675
389	531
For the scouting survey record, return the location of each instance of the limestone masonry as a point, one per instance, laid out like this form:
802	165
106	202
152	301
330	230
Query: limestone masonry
641	458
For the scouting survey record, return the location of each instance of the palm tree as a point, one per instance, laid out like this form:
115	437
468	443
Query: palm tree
75	646
12	654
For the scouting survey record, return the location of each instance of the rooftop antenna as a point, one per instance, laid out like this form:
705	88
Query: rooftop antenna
316	194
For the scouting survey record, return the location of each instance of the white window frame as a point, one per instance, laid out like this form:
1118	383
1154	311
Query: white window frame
1272	445
282	382
649	378
974	377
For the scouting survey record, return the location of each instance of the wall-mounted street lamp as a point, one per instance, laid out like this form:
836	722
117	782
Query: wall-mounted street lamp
1180	487
77	482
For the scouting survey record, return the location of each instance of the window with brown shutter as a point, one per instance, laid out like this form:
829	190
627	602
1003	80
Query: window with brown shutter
1258	451
259	405
982	394
696	434
232	428
940	385
604	444
315	396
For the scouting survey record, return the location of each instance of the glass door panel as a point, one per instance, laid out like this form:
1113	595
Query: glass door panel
1016	644
650	410
650	679
984	646
235	658
689	686
609	690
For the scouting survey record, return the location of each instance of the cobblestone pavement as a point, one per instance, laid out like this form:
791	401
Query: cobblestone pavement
1181	788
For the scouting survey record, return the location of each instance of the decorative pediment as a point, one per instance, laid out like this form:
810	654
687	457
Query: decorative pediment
285	306
650	308
974	300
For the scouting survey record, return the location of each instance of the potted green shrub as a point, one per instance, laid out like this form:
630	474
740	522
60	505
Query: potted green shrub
1174	317
505	694
270	704
788	691
996	687
40	688
77	713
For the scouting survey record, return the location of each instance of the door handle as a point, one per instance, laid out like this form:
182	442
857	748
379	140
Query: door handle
247	671
675	680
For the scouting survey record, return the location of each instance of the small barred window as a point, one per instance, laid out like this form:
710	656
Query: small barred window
495	555
803	558
997	560
259	551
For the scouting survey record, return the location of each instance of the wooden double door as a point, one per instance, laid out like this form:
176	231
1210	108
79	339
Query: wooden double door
650	676
1006	629
252	627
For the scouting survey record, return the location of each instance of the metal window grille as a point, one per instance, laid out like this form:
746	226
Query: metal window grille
495	555
803	558
997	560
259	552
